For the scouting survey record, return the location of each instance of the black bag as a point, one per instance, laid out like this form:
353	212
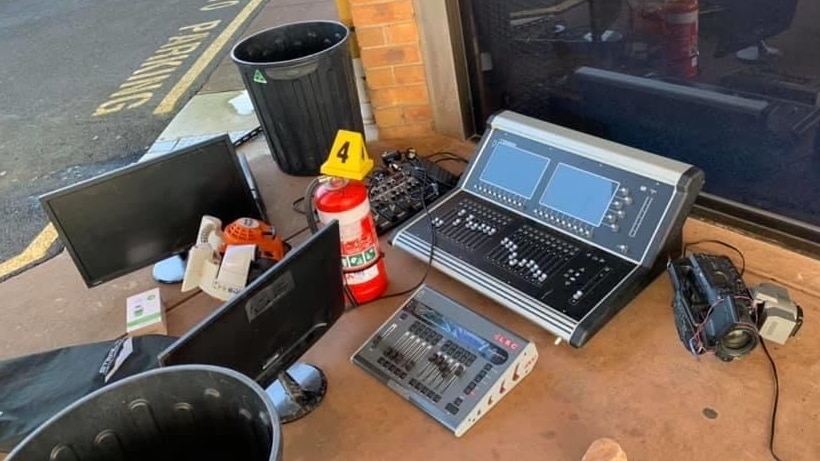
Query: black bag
35	387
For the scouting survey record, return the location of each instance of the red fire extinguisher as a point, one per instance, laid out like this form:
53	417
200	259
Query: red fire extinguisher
347	202
680	30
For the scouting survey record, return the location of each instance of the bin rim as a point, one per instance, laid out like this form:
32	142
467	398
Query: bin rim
276	437
298	60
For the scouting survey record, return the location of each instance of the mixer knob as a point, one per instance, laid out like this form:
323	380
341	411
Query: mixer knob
624	191
470	217
623	249
615	227
610	217
542	278
513	262
628	200
617	204
577	295
492	231
461	212
621	214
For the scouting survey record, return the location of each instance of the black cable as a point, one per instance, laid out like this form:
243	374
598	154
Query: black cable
718	242
291	236
349	293
447	155
297	206
776	399
448	159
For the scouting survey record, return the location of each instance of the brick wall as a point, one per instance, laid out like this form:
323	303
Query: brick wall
388	38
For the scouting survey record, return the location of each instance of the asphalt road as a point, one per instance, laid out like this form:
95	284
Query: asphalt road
88	85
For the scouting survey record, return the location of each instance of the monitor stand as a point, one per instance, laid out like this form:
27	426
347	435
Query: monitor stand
297	391
170	270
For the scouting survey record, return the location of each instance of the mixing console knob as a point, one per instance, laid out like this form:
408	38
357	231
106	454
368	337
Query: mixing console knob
617	204
461	212
628	200
577	295
621	214
615	227
623	249
610	217
624	191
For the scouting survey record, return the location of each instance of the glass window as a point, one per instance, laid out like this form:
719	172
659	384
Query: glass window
730	86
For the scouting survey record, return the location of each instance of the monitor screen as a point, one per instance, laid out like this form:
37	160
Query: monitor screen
276	319
514	170
129	218
579	194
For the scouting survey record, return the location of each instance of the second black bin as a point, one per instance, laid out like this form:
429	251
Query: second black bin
300	80
196	412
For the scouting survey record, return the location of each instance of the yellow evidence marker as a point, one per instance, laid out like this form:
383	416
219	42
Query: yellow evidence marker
348	157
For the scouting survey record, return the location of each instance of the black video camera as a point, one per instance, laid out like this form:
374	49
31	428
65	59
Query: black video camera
713	307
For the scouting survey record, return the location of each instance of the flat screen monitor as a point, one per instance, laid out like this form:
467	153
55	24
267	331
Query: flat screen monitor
137	215
268	326
658	96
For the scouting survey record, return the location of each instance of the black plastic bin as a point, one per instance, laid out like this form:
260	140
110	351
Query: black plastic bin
300	80
186	412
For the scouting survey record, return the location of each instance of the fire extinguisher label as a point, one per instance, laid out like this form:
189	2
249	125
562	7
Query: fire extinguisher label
359	259
354	278
357	233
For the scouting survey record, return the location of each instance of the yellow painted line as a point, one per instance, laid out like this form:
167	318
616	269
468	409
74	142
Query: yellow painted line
170	100
36	250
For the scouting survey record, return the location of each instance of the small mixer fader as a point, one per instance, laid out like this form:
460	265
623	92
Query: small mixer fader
447	360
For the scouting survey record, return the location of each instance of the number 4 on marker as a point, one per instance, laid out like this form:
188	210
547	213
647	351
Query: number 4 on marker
348	157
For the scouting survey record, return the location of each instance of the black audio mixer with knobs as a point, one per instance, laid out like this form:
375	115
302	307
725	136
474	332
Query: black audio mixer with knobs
397	188
561	227
447	360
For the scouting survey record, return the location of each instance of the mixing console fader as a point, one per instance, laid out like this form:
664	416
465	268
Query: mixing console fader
449	361
561	227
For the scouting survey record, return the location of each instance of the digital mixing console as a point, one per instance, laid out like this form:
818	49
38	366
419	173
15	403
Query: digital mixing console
562	227
447	360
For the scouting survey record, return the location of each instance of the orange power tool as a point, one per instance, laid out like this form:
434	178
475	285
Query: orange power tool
249	231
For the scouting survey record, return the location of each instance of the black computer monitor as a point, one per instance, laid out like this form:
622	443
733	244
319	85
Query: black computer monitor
137	215
693	123
263	330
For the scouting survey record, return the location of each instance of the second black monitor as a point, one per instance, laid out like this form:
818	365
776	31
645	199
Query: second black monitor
135	216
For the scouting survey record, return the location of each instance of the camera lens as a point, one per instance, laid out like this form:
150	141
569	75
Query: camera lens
740	340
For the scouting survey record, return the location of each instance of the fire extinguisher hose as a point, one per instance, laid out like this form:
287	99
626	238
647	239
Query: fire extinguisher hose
310	210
